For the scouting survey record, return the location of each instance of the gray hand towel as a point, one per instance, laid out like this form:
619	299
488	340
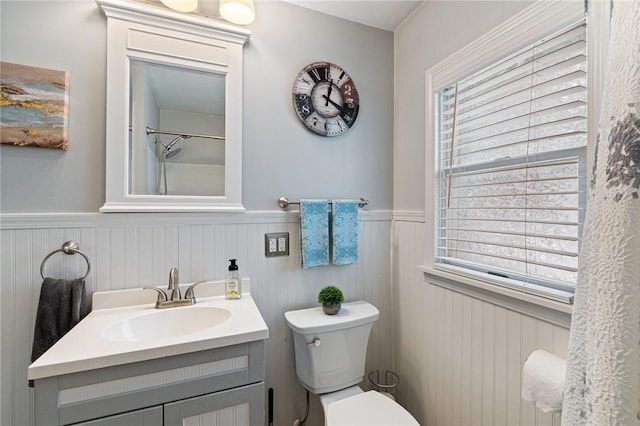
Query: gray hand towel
62	305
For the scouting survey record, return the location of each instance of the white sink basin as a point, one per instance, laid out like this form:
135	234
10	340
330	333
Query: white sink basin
165	323
123	327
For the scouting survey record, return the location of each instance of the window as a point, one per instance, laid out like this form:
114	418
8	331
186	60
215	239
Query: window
510	173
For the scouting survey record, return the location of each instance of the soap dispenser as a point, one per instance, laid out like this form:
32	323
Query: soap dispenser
233	282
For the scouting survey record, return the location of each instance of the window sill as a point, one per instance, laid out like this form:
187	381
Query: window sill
531	305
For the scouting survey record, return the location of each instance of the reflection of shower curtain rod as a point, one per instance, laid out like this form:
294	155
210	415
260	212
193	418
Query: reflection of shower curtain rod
151	131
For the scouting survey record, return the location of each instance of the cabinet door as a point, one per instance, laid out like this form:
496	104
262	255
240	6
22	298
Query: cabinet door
147	417
242	406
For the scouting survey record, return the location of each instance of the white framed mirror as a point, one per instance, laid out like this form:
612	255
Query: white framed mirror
174	111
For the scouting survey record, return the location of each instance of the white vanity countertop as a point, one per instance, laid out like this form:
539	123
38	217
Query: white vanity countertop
85	348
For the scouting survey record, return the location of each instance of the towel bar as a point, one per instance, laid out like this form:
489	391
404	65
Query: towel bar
70	247
284	202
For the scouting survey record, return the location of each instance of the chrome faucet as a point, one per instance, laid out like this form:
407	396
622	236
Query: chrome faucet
174	298
174	286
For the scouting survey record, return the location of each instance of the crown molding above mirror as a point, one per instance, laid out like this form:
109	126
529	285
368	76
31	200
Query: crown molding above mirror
144	171
145	13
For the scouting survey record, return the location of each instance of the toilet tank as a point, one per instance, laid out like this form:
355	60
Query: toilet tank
331	350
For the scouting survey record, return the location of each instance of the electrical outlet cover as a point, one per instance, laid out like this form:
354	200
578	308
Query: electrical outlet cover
276	244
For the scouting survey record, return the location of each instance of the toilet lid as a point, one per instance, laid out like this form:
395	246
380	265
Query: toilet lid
368	409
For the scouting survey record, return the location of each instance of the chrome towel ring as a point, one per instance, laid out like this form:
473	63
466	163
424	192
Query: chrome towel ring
70	247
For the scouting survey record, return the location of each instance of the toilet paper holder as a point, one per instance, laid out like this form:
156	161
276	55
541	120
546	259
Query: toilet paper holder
390	384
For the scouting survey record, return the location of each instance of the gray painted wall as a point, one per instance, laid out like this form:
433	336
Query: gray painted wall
281	157
435	31
69	36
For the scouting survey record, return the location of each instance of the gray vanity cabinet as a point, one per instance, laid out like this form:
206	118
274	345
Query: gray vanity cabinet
231	407
147	417
223	386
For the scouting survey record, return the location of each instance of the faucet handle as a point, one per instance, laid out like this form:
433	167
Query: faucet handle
162	296
190	294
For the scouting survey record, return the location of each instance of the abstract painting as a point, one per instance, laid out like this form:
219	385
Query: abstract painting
33	106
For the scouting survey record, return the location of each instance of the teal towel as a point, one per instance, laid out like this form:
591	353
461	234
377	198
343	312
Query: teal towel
314	233
345	232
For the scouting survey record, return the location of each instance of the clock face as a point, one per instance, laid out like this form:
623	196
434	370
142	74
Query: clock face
326	99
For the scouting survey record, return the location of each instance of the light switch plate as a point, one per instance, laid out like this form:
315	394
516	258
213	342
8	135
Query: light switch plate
276	244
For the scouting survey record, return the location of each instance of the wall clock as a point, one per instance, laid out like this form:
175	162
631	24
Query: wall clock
326	99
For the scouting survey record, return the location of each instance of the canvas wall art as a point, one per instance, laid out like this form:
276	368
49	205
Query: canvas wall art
33	106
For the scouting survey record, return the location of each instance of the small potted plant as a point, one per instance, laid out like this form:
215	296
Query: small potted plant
331	297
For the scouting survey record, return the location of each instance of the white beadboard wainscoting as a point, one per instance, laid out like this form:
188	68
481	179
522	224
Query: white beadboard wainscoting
135	250
459	357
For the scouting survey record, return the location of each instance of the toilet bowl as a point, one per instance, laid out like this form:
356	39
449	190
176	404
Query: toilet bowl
354	407
330	353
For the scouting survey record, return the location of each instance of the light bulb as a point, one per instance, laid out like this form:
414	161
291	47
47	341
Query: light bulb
181	5
241	12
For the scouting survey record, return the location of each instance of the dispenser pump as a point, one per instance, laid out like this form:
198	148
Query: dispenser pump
233	282
233	266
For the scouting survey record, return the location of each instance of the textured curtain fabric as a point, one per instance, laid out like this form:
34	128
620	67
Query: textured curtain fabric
603	366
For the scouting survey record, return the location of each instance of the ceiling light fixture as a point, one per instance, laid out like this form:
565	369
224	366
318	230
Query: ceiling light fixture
181	5
241	12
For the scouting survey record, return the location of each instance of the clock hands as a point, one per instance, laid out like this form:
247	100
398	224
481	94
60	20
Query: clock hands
328	93
335	104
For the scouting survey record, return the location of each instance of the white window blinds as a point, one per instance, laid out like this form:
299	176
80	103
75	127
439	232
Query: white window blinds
511	167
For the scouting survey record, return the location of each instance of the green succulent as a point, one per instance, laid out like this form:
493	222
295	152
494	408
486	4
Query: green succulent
330	295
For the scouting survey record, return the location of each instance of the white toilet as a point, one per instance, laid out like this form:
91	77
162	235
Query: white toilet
330	355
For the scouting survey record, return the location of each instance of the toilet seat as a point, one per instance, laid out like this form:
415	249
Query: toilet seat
368	409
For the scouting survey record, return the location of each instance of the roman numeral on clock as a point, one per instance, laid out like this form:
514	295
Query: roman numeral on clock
318	74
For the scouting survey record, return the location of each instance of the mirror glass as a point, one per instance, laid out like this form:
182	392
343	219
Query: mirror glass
176	131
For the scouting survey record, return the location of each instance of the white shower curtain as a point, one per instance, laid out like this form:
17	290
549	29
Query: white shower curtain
603	366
